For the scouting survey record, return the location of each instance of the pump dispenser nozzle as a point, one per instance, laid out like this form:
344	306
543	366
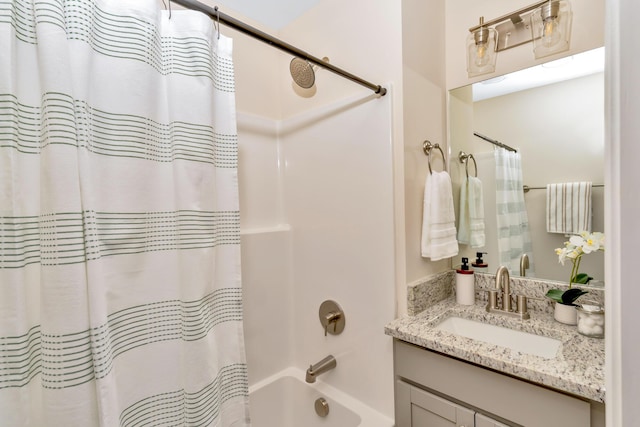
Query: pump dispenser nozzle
479	262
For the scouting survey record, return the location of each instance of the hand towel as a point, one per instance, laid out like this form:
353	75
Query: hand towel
438	218
471	227
569	207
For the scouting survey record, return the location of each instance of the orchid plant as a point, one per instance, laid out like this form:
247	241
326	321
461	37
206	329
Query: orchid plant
574	250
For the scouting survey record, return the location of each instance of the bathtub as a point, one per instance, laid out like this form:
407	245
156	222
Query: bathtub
285	400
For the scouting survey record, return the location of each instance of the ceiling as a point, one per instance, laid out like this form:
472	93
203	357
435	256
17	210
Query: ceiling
274	15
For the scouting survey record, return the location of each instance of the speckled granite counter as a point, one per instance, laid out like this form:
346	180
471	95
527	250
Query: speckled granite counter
577	369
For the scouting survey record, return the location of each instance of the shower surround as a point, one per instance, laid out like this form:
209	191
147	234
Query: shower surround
317	176
331	237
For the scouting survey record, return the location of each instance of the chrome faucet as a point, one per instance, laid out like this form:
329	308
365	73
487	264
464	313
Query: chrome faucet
321	367
524	264
503	283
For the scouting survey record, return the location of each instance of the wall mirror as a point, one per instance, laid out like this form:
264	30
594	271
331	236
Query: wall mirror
553	115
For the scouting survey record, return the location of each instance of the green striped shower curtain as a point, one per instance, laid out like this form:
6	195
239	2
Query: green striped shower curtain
514	237
120	298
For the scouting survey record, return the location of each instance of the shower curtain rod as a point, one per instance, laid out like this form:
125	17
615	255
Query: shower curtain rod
229	21
494	142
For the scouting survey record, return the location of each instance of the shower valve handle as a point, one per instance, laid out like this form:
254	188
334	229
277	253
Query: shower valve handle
332	318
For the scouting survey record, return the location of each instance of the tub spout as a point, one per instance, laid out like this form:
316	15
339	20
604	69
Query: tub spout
321	367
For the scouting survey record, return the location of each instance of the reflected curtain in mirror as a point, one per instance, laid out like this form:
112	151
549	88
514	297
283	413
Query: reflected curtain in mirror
514	238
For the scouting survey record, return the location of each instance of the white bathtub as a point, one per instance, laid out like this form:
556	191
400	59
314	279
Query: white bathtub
285	400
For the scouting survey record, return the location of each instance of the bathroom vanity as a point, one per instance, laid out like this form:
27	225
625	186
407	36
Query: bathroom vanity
446	379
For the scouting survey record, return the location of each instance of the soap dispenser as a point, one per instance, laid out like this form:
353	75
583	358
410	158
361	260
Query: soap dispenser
479	263
465	286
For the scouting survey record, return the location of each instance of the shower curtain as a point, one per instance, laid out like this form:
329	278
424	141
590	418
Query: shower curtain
514	238
120	298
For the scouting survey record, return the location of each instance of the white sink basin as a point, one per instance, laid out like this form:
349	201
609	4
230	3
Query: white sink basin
516	340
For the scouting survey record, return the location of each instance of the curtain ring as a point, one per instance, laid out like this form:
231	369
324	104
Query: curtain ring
167	8
217	20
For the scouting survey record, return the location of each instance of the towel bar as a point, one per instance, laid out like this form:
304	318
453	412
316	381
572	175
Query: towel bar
526	188
464	158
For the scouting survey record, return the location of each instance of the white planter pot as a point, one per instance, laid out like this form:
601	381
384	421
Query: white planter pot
566	314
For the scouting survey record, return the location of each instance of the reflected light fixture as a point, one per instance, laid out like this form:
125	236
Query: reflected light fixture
547	23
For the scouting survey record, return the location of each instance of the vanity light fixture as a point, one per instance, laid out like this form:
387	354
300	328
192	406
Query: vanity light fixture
547	23
551	28
481	50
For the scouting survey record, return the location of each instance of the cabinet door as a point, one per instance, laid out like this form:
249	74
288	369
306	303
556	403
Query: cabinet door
428	410
484	421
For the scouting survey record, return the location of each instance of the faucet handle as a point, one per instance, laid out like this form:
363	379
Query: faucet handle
493	299
522	307
332	318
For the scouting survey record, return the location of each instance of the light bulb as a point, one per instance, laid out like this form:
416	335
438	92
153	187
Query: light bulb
551	28
551	34
481	55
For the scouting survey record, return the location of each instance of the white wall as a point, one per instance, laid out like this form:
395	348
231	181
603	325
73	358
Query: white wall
424	100
622	206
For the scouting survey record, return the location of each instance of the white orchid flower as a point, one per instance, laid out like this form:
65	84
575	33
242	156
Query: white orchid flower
598	239
577	246
562	255
577	241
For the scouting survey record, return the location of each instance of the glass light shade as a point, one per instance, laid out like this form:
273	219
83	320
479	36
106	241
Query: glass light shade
551	28
481	52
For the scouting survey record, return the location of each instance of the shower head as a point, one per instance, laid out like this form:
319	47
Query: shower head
302	73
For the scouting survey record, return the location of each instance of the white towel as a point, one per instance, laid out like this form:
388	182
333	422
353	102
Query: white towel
471	227
569	207
438	220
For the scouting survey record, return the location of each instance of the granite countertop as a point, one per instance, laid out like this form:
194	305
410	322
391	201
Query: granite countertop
577	369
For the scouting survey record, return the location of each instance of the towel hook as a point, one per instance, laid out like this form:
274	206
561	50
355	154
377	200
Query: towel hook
464	158
427	146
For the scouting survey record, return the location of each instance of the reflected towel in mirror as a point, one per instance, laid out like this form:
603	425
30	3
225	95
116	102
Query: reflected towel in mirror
569	207
438	218
471	226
